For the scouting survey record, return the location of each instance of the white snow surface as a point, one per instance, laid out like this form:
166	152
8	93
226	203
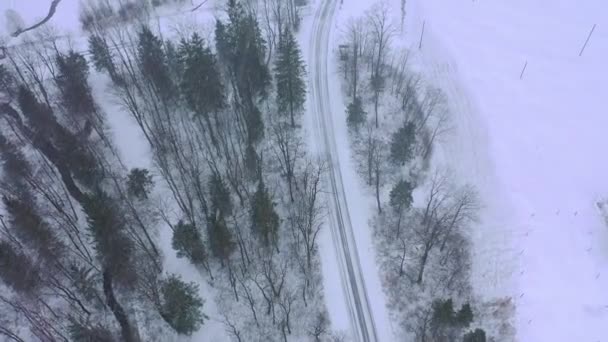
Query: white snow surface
535	147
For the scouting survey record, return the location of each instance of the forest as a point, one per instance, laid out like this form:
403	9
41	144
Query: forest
79	237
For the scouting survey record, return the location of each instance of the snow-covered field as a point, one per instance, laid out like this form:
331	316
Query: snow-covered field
533	145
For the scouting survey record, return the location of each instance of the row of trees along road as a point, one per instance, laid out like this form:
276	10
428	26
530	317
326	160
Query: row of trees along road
423	245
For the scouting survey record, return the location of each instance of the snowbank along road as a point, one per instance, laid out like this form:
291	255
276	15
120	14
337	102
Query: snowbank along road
362	321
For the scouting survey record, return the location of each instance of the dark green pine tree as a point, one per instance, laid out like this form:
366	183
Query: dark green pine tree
27	224
100	53
220	196
200	80
264	219
113	246
356	114
80	332
401	200
17	270
139	183
443	313
464	317
55	141
242	50
153	63
181	306
401	196
73	84
475	336
289	74
171	51
402	143
102	58
187	242
115	251
251	162
220	237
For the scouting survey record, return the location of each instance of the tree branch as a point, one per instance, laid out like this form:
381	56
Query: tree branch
48	17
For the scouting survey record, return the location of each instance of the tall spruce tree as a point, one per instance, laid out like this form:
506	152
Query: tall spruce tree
153	63
402	143
242	49
73	84
220	237
114	248
115	251
17	270
289	73
102	57
200	80
264	219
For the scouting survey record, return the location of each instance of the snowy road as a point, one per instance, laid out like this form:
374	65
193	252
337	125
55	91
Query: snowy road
358	303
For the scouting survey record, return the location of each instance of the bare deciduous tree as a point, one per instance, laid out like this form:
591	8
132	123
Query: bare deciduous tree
447	211
288	149
355	38
382	32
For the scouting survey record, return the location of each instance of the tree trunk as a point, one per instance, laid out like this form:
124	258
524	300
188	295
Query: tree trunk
376	96
423	265
378	187
355	70
118	311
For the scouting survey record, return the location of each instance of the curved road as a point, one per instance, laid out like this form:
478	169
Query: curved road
362	321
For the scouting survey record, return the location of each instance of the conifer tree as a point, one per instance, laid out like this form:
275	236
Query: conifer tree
289	74
139	183
402	143
80	332
241	47
464	317
153	63
264	219
31	229
401	195
100	53
220	238
73	84
475	336
114	248
356	115
220	196
17	270
115	252
181	306
187	241
400	200
200	80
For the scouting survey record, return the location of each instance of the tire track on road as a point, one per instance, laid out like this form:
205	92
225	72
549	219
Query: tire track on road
362	321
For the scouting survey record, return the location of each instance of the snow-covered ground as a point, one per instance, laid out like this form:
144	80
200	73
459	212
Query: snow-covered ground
534	146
